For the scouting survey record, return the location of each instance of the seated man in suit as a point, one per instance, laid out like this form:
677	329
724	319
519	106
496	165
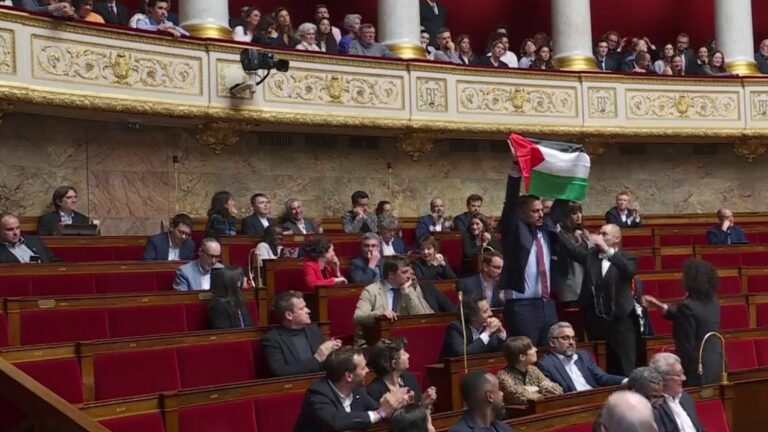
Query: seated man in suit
574	370
484	332
486	283
256	223
436	221
360	219
622	215
295	347
65	204
474	203
18	249
396	294
113	12
604	59
196	275
391	243
677	412
485	404
295	222
174	245
725	232
339	402
157	19
366	268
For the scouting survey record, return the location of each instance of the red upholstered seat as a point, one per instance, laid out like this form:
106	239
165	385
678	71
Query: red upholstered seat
757	283
340	312
63	325
452	251
712	415
259	362
650	287
149	422
674	262
424	344
670	289
215	363
3	331
128	253
197	316
581	427
740	354
729	285
660	325
734	316
761	349
637	241
409	237
346	249
133	373
723	259
646	263
238	254
233	416
676	240
754	259
287	404
164	280
761	310
125	282
62	376
15	286
84	254
289	279
146	320
48	285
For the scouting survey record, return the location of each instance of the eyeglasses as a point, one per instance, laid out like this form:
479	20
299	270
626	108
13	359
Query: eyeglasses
566	338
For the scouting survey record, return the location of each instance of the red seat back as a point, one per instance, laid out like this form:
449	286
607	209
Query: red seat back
761	349
712	415
424	344
128	253
729	285
674	262
125	282
133	373
453	252
287	279
63	325
69	284
734	316
215	363
235	415
259	362
340	311
347	248
650	287
740	354
62	376
646	263
757	283
238	254
196	315
670	289
132	321
15	286
676	240
723	259
581	427
661	326
148	422
84	254
754	259
761	311
287	404
637	241
3	331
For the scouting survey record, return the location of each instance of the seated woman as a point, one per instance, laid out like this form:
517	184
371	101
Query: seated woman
267	32
388	359
221	216
84	11
325	39
307	33
521	381
431	265
271	247
228	309
498	49
248	31
464	48
322	265
543	59
476	239
64	203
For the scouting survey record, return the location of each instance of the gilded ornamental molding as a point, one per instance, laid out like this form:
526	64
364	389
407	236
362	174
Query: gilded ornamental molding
7	52
415	144
602	102
432	94
528	100
653	104
749	149
219	135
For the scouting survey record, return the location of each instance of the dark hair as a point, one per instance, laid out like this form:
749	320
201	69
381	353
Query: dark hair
284	303
412	418
180	219
77	4
219	204
275	13
566	223
59	195
540	63
153	3
442	30
340	362
265	23
226	283
523	44
470	305
380	207
474	197
329	25
429	240
516	346
525	201
490	255
386	351
700	279
461	39
357	196
495	38
271	232
393	264
317	247
256	195
471	385
483	220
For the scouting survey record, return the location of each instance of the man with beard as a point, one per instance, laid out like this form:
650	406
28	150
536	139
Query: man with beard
485	402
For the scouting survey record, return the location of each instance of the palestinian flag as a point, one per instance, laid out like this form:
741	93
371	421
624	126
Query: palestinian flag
552	169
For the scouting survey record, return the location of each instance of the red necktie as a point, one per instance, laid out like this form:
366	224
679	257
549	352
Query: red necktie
541	266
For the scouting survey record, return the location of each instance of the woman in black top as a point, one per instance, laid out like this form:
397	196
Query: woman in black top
228	309
325	39
267	34
477	238
221	216
286	38
494	60
697	315
543	59
432	264
388	359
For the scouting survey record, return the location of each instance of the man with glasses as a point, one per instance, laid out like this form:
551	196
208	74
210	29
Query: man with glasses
486	283
196	275
573	369
174	245
677	412
366	268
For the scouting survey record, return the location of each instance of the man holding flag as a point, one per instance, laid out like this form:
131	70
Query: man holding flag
534	262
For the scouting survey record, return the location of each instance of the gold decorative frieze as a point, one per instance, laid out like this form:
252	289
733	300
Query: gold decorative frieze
750	148
7	52
348	89
759	103
124	68
602	102
219	135
432	94
415	144
499	98
655	105
228	74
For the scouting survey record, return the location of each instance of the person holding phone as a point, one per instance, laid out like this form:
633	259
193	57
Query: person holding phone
623	214
18	249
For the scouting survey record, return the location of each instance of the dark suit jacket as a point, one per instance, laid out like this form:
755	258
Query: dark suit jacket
432	22
716	235
422	227
48	223
453	343
461	222
359	272
280	353
378	388
253	226
612	216
612	62
435	298
35	245
692	319
474	286
121	18
322	410
223	315
762	63
399	246
467	423
665	420
425	271
689	57
551	365
309	225
158	246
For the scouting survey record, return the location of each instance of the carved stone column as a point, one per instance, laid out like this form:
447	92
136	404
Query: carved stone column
416	144
733	30
219	135
399	27
572	35
750	148
205	18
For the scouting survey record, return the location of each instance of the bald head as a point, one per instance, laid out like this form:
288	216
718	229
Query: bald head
611	233
725	214
627	411
10	229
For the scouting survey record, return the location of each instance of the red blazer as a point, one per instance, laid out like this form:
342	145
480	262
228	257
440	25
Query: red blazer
313	276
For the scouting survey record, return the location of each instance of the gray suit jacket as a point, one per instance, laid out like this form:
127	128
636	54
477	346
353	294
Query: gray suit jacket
309	225
189	277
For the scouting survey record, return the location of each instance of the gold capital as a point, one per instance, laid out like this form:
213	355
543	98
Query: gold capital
750	148
416	144
743	67
218	135
407	51
576	62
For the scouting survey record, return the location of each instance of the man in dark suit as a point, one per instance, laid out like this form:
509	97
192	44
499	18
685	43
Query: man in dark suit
433	16
296	222
113	12
623	215
64	212
485	404
761	57
366	267
606	296
435	298
436	221
15	249
574	370
461	222
486	283
725	232
484	332
533	265
391	243
683	47
604	59
677	412
256	223
339	402
174	245
295	347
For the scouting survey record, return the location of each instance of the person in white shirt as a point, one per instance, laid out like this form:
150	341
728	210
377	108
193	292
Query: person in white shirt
623	214
677	412
174	245
307	32
6	3
196	275
294	221
509	57
271	247
246	32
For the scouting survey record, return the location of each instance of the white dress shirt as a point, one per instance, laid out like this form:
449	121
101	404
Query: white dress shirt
65	218
532	279
570	367
346	402
205	281
21	251
264	221
173	251
388	249
684	423
605	263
